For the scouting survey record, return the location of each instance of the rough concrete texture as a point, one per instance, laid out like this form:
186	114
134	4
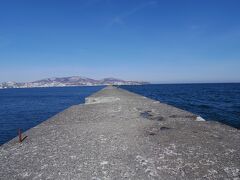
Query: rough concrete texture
121	135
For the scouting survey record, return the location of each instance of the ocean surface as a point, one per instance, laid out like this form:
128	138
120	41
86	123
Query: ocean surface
213	102
26	108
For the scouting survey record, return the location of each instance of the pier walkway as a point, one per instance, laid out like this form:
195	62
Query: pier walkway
117	134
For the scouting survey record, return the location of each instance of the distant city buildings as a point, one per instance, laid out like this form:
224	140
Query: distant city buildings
69	81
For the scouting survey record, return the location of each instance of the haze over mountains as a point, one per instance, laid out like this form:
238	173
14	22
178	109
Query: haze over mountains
69	81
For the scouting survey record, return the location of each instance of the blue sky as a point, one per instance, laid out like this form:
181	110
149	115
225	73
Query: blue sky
165	41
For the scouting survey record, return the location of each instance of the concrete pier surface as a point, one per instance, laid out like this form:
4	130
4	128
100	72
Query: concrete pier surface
117	134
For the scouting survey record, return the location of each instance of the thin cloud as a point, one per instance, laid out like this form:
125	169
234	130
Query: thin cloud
120	19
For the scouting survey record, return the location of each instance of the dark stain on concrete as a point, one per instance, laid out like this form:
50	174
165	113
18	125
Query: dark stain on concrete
149	115
165	128
184	116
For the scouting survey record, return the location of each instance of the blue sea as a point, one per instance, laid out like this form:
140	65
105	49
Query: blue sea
26	108
213	102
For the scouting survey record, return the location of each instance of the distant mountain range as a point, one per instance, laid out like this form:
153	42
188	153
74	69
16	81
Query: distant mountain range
69	81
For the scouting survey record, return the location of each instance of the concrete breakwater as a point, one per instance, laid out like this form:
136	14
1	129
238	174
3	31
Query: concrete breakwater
117	134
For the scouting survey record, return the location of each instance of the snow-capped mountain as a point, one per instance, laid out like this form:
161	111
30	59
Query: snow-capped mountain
69	81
